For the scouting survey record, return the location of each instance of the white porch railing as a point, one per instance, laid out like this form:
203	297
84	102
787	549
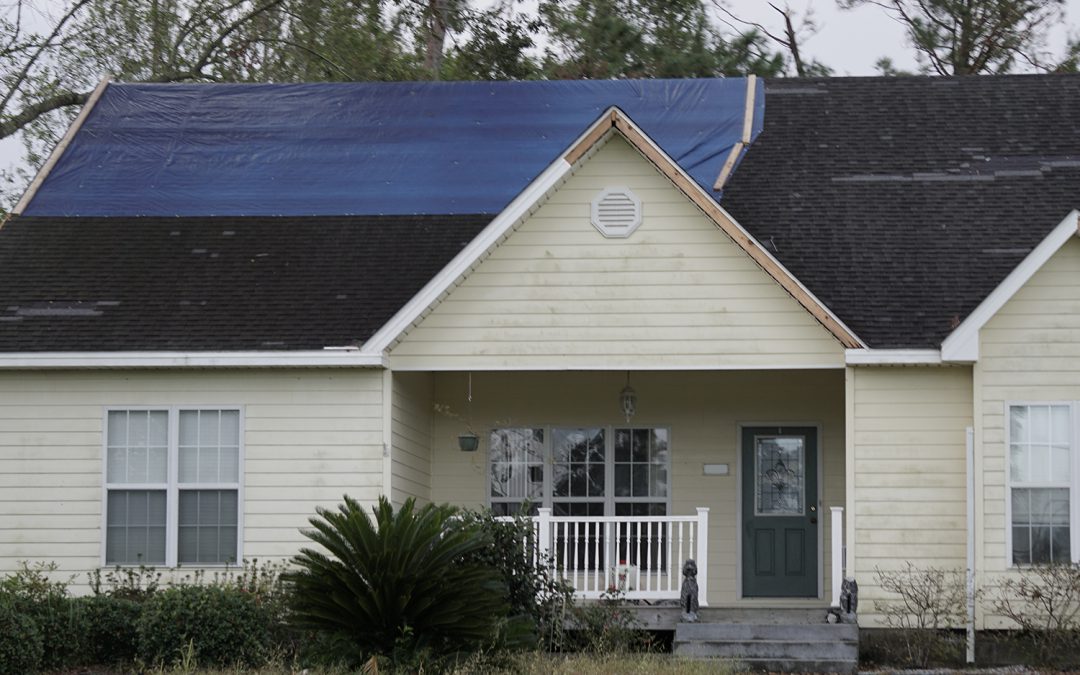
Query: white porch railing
641	556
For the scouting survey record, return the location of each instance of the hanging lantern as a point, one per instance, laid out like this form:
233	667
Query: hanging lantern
628	400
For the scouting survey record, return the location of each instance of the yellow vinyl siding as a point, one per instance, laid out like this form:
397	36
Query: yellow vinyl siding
411	449
908	460
1028	352
557	294
703	411
310	437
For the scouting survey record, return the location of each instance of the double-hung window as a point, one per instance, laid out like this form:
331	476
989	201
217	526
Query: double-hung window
1041	470
172	486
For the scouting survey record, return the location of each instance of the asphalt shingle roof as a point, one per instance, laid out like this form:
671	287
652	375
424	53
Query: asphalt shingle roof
150	284
902	202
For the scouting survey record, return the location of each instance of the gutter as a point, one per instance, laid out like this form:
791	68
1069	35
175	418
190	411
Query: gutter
325	358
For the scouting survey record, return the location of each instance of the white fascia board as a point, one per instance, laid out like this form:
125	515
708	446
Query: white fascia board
962	345
522	205
892	357
742	230
268	359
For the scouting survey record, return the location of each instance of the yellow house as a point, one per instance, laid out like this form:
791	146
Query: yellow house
852	348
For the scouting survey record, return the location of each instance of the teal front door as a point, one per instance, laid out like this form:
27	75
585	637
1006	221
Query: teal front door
779	512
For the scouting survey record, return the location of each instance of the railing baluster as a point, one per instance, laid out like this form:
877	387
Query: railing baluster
637	560
596	558
566	550
648	556
667	529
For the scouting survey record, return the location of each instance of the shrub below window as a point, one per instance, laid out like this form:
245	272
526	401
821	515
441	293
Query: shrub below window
37	596
221	626
111	624
21	646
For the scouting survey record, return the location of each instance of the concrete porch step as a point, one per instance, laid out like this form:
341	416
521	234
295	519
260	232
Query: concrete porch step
819	647
660	617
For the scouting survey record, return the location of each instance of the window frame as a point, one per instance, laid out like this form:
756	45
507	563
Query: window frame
1072	483
172	484
609	500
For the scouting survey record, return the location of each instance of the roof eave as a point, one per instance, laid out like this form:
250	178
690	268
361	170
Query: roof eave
962	345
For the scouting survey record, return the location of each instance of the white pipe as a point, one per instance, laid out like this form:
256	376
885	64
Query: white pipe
970	545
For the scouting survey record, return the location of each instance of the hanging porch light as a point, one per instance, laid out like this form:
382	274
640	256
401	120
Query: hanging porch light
628	399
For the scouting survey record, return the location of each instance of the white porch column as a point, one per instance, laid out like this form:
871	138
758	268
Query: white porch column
837	552
703	555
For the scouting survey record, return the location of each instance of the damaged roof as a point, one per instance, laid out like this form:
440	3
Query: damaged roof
214	284
903	202
899	202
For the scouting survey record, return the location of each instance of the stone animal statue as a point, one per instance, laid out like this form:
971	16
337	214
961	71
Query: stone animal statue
688	597
849	596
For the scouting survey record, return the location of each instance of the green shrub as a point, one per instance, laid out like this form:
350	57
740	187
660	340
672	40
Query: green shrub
21	646
401	586
221	625
533	592
111	625
57	618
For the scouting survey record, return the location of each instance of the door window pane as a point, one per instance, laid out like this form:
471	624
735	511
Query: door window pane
578	463
517	469
779	475
641	458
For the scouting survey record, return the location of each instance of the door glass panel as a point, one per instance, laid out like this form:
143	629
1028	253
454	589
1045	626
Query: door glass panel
779	475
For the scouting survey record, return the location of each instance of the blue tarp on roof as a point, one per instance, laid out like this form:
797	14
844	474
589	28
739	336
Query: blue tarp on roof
364	148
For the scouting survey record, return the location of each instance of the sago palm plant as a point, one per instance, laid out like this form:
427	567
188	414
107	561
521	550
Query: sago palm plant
400	582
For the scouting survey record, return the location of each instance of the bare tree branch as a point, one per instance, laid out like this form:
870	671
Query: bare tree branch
21	76
32	112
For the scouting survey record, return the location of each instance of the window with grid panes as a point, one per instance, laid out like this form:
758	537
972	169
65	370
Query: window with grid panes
172	486
1040	483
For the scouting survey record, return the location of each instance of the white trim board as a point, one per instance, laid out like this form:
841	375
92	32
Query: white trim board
962	345
58	151
892	357
267	359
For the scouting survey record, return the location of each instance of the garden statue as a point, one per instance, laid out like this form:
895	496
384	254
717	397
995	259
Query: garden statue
688	598
849	599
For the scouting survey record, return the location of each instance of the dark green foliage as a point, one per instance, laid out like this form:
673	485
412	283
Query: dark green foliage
111	625
400	584
223	625
21	646
533	592
600	39
58	621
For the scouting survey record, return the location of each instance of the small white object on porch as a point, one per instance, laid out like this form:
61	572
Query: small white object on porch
641	557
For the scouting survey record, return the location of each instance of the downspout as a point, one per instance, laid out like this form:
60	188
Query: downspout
970	544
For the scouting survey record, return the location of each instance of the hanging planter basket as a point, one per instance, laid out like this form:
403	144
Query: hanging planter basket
468	442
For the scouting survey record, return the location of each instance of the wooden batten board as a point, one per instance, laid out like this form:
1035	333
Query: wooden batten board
711	209
747	132
58	151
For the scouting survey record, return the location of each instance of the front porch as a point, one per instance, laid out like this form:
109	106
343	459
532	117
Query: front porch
623	503
641	558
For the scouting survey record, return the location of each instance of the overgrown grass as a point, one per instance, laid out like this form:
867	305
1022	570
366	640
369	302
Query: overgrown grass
528	663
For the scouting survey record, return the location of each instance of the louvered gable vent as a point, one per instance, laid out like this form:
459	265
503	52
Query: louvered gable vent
616	212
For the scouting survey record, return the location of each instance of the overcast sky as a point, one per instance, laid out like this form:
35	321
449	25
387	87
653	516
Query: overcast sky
849	41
